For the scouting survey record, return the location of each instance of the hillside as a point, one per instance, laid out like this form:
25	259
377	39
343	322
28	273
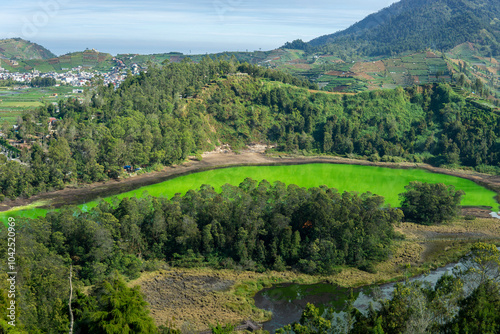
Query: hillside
170	112
413	25
19	49
88	59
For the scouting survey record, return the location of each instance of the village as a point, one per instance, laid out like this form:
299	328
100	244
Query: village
77	77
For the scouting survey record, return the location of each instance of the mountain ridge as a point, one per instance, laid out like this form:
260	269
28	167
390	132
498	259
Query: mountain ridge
413	25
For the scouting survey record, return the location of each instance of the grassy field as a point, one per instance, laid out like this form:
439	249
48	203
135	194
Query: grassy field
386	182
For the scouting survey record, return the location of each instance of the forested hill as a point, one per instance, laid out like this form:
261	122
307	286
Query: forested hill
412	25
162	116
17	48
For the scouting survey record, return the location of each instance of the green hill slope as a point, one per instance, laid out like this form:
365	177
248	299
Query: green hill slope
88	59
19	49
412	25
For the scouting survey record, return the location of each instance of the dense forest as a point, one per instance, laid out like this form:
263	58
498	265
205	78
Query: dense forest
411	25
255	226
466	302
172	111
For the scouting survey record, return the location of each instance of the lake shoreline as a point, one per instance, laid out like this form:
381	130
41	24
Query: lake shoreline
217	160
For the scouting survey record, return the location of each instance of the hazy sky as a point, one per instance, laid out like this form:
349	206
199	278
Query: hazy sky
156	26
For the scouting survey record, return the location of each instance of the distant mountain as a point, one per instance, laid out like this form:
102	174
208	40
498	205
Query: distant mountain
20	49
413	25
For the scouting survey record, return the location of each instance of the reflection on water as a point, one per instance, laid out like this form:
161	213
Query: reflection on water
385	290
287	301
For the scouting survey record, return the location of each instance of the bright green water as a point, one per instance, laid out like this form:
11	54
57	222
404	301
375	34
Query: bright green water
386	182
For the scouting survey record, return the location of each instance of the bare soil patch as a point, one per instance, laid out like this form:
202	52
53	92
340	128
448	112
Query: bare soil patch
364	76
302	66
430	54
368	67
340	73
493	70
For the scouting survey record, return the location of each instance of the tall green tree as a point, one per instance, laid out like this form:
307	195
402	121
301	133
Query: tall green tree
114	308
428	203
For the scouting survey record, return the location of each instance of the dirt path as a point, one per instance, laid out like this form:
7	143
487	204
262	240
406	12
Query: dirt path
219	159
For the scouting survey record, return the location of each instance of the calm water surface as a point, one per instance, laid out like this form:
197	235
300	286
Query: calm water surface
287	301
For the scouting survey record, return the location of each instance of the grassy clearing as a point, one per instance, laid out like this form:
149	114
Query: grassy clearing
201	297
19	104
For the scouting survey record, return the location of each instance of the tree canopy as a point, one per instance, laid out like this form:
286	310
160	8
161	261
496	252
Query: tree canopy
428	203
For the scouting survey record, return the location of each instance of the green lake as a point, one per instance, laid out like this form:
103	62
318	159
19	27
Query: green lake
387	182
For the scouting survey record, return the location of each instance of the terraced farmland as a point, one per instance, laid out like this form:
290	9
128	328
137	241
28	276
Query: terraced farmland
14	102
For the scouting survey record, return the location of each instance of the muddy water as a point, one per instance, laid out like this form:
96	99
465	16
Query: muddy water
287	301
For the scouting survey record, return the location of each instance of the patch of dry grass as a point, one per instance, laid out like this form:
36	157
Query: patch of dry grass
202	296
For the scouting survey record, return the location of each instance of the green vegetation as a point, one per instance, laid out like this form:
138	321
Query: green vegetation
256	226
42	82
113	308
413	26
170	112
386	182
426	203
16	103
17	48
459	303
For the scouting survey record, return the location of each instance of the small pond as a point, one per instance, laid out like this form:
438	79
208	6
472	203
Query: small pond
287	301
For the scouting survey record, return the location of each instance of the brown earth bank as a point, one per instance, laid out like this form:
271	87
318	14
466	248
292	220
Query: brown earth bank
223	157
198	298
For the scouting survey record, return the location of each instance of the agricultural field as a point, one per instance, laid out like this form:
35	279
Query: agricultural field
17	48
484	68
14	102
333	74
